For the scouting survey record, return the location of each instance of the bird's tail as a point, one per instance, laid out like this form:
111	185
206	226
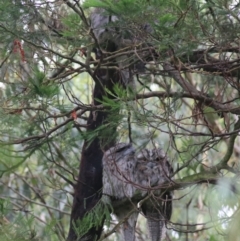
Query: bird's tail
156	225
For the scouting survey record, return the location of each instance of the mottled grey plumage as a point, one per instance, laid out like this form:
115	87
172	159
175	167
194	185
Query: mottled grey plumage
112	35
101	23
119	165
124	173
153	170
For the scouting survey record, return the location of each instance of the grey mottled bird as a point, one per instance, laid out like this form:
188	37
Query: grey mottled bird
125	173
111	34
101	22
119	165
153	169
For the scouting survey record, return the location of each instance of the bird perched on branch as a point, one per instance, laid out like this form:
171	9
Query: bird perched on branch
153	169
119	166
125	174
102	24
110	36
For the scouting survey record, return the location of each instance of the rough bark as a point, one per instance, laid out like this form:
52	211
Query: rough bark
87	191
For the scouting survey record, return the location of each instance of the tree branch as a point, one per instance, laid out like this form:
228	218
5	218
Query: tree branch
223	163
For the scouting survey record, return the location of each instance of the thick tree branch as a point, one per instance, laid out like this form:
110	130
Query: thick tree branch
195	179
223	163
176	75
196	95
218	106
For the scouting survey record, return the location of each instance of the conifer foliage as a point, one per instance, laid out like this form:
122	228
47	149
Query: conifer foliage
77	77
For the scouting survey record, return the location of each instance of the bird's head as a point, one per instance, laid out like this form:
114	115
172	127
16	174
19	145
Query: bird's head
119	150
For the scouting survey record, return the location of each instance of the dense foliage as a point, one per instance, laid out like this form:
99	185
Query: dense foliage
182	56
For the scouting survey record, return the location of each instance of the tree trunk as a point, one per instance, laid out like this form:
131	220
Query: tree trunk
87	191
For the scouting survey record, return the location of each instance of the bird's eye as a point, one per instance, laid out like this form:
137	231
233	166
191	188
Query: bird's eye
121	149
